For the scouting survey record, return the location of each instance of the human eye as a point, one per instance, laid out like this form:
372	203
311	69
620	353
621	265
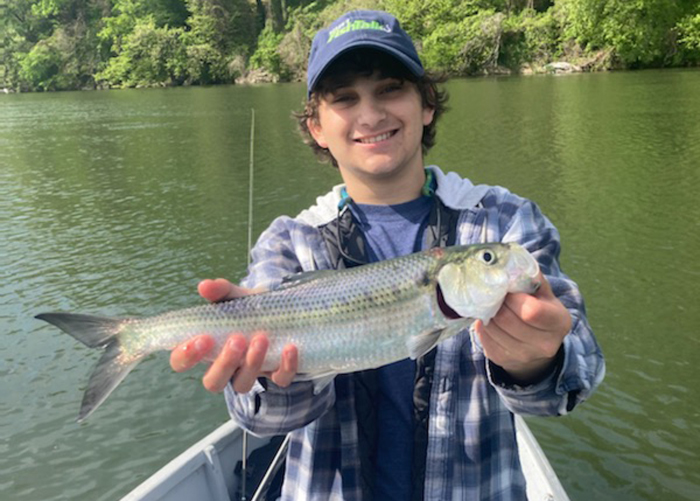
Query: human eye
341	98
392	87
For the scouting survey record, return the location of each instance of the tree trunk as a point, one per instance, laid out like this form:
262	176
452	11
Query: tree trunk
275	13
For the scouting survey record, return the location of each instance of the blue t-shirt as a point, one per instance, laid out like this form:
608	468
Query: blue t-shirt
393	231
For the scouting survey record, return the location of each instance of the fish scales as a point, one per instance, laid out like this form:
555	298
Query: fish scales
340	321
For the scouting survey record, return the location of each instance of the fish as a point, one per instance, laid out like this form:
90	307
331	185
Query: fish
341	321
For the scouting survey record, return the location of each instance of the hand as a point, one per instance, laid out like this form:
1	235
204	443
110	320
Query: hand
239	361
526	333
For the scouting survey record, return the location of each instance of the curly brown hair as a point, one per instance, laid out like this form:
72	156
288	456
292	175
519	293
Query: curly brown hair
365	62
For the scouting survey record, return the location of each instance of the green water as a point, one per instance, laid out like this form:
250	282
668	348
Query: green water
119	202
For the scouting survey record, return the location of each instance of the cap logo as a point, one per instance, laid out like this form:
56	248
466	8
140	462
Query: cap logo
347	26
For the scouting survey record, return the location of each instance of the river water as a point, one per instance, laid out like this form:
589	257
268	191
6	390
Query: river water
119	202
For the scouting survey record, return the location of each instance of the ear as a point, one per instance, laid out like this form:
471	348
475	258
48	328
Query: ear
428	114
316	132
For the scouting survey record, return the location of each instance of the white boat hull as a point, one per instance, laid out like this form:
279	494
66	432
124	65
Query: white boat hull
205	470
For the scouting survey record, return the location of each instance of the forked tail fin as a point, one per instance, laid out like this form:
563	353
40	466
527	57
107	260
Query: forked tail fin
96	332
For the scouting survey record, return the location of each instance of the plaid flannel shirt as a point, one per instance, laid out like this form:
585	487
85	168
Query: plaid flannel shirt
472	451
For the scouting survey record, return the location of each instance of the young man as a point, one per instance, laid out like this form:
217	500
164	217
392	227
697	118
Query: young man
440	427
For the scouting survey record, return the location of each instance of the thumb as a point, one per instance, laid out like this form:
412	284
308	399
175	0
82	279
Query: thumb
221	290
544	291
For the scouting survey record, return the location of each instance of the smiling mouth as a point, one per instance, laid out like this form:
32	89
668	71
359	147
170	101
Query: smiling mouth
376	139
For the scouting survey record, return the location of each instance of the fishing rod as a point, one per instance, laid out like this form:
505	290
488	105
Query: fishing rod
244	444
272	470
281	452
250	182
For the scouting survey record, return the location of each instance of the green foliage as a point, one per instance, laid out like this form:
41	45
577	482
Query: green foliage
688	33
530	38
543	36
466	47
302	24
267	55
46	8
68	44
225	24
149	55
421	18
220	33
479	36
147	51
39	68
637	30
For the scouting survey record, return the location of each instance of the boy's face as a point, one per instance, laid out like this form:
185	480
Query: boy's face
373	127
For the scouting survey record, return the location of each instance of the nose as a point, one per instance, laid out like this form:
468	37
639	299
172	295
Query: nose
371	112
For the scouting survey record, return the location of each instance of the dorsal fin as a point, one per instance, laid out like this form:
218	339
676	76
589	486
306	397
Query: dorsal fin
304	277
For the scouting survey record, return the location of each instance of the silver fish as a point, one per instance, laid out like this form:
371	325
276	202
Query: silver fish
341	321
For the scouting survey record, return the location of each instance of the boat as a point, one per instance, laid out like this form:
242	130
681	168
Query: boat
210	470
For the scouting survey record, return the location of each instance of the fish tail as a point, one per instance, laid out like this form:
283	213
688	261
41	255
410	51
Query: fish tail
96	332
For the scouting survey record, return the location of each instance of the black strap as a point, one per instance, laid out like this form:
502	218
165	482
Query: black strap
345	241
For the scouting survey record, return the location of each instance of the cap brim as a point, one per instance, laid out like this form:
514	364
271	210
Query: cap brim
409	63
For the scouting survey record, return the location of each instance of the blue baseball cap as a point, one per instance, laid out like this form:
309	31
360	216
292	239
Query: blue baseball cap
360	28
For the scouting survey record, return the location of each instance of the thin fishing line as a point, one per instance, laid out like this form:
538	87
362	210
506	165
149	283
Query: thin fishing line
244	443
250	182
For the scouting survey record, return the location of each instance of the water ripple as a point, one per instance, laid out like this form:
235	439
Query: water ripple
117	203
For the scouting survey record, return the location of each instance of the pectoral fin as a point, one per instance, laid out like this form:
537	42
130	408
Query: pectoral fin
320	381
323	381
422	343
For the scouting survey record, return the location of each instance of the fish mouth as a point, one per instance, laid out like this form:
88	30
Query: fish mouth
444	307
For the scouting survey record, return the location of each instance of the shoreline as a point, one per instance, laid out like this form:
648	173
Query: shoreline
257	77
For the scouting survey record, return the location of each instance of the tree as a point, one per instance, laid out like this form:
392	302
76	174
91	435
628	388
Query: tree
67	44
637	30
688	34
148	55
221	33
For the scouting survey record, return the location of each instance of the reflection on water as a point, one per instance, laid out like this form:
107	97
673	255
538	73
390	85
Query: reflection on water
117	203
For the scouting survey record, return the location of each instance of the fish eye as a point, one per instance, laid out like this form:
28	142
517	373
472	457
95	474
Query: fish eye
487	257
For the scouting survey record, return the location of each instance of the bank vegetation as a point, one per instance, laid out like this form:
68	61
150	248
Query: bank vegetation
87	44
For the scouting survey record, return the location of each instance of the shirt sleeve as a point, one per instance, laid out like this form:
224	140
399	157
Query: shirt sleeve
273	257
269	409
581	367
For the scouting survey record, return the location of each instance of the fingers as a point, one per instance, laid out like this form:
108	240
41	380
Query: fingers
221	289
545	288
239	362
526	333
542	311
499	346
248	373
525	308
528	327
190	353
225	364
288	367
524	364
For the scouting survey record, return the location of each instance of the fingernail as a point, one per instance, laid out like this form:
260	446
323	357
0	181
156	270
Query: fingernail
233	346
289	358
200	345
